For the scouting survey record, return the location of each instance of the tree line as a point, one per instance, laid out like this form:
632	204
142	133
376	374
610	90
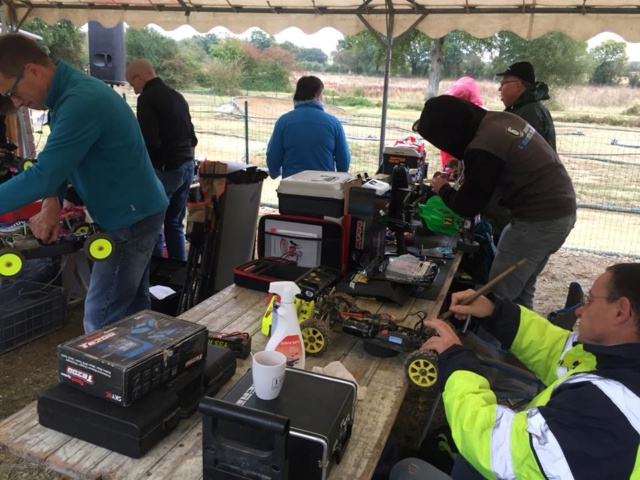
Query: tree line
230	65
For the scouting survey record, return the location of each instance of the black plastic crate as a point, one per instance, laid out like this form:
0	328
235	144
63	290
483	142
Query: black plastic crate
28	310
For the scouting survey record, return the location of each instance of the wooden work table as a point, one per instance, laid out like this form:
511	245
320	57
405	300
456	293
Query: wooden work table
179	456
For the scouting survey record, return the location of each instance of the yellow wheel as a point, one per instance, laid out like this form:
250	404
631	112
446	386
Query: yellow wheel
98	247
315	336
11	262
81	227
24	164
421	368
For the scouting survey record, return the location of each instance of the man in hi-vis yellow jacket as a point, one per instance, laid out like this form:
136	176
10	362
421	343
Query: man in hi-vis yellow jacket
586	423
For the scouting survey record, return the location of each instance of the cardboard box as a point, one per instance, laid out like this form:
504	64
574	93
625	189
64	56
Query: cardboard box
129	358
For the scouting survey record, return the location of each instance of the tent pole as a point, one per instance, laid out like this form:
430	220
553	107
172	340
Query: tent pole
387	72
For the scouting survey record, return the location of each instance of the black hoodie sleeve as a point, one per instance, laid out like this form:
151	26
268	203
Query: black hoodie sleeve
482	172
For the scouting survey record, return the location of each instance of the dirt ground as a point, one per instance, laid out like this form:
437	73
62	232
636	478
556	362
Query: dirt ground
28	369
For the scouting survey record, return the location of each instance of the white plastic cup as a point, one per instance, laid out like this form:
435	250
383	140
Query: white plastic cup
268	368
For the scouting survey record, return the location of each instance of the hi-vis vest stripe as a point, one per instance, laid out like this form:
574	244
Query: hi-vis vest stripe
547	449
568	345
545	445
627	402
501	460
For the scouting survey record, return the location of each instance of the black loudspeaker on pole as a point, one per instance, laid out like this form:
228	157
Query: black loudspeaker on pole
107	53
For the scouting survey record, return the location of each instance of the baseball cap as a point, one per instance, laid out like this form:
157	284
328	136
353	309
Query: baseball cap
522	70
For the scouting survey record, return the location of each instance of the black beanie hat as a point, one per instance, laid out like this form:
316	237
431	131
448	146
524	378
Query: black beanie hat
522	70
449	123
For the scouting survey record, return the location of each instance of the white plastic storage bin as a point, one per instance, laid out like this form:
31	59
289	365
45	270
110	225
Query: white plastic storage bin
313	193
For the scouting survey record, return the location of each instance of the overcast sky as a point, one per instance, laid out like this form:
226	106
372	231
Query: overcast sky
327	38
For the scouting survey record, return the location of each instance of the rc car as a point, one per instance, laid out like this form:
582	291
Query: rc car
378	330
17	244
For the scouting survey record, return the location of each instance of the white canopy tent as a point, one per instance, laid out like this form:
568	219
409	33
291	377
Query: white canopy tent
580	19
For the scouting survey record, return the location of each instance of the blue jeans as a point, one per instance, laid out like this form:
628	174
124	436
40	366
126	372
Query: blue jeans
535	241
119	285
176	185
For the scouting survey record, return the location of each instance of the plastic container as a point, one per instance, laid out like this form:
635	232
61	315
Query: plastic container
287	337
28	310
314	193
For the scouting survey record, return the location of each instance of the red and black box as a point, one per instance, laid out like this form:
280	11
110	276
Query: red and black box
289	246
129	358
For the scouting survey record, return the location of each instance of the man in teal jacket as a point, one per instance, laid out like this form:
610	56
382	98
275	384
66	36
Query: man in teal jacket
586	423
96	144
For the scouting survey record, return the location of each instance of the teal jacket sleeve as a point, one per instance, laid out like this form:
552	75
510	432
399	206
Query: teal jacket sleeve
75	128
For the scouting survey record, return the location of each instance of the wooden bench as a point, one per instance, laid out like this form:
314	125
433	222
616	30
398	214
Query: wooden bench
179	456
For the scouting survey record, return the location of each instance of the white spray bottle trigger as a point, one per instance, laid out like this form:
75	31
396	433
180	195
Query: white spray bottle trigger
286	290
287	338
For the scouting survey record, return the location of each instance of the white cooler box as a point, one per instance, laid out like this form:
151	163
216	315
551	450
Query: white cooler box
314	194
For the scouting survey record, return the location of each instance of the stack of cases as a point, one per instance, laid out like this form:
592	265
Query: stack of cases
126	386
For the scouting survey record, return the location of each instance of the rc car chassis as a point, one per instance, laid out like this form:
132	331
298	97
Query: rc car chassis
376	329
17	244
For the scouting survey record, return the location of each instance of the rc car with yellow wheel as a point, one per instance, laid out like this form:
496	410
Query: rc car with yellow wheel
328	308
17	245
381	334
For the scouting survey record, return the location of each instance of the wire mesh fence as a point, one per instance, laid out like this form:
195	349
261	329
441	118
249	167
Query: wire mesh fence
603	162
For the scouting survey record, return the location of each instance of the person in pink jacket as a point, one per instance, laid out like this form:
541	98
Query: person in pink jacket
467	89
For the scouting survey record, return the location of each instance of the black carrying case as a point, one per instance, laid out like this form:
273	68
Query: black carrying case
135	429
286	438
327	243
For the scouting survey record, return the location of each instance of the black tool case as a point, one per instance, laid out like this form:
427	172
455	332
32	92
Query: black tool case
299	435
290	245
135	429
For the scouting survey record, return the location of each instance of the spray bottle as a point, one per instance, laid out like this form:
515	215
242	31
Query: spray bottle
286	337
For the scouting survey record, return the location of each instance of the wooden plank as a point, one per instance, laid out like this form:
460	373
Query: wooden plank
18	423
116	466
191	444
190	467
37	443
374	418
78	459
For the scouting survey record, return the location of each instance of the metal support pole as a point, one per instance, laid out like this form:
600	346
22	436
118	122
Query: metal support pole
385	89
246	132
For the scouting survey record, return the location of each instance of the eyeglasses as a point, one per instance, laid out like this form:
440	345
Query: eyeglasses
503	83
587	298
12	91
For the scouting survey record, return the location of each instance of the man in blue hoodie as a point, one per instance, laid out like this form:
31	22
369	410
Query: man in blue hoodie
307	138
96	144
